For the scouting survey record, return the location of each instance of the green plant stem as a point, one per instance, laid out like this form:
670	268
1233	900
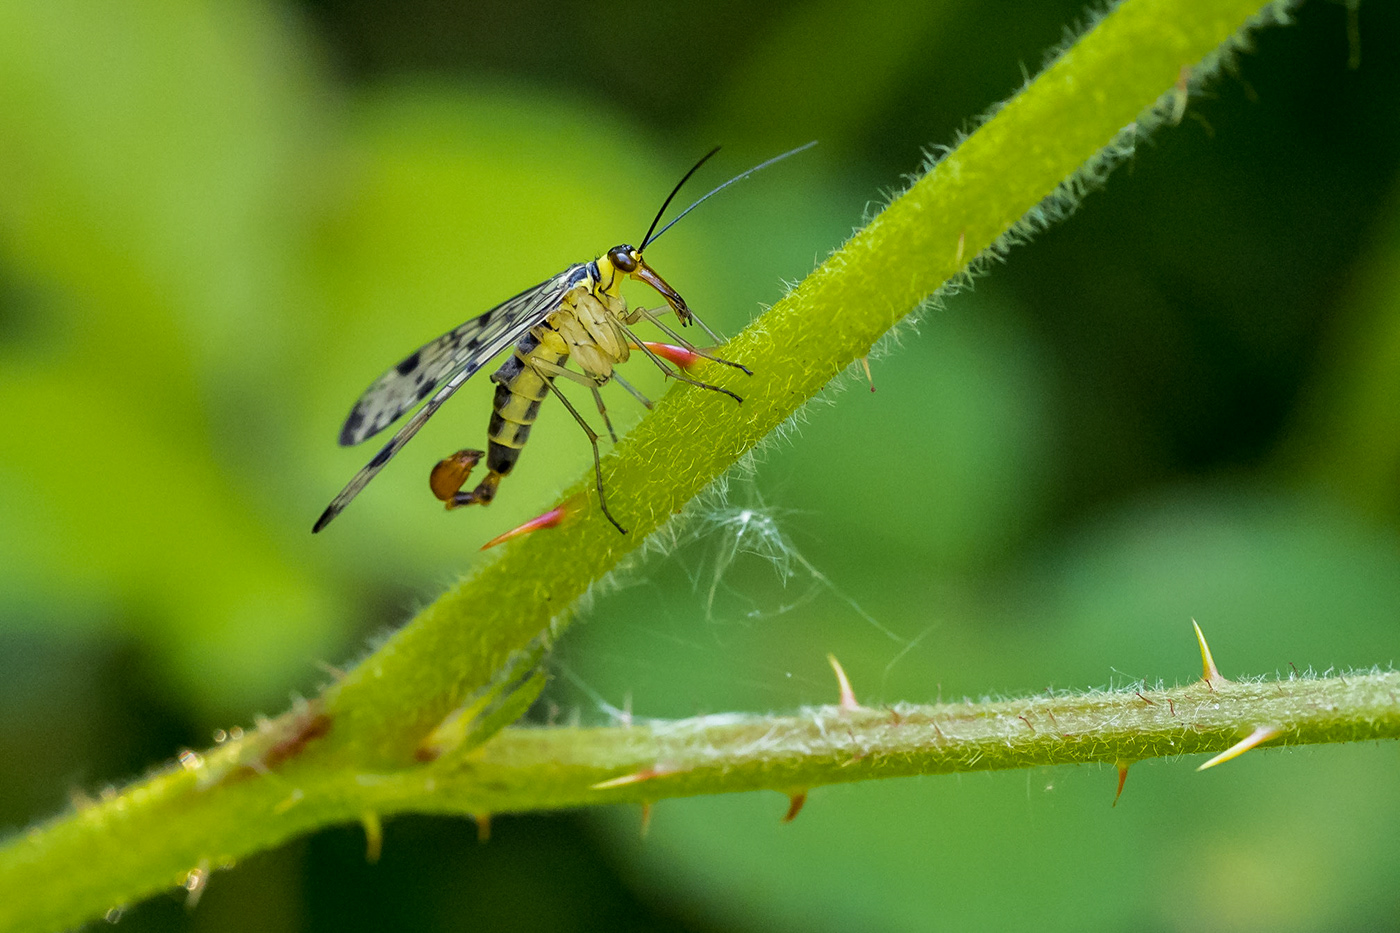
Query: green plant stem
539	768
355	749
1050	139
179	819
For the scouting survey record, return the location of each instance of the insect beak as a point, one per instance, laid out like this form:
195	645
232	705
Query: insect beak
647	274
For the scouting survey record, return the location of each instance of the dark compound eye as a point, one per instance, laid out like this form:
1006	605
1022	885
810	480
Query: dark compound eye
622	258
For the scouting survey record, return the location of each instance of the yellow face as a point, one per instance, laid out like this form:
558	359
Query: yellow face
616	264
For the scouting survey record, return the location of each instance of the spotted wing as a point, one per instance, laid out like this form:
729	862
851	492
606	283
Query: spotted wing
455	356
416	376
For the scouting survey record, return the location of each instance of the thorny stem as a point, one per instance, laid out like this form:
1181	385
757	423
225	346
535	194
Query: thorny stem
1020	170
547	768
361	746
552	767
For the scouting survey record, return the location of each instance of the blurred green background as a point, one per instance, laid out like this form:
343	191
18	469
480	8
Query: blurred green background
220	221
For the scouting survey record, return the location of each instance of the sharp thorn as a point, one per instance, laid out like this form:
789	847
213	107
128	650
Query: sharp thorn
848	696
1257	737
796	799
1122	779
636	777
1209	672
551	519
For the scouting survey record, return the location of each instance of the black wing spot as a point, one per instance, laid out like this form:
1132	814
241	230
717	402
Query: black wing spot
383	456
424	391
409	364
325	518
349	433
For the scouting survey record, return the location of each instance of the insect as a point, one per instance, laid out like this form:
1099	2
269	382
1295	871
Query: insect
578	314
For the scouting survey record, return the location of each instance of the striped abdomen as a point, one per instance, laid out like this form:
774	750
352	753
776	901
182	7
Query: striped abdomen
519	392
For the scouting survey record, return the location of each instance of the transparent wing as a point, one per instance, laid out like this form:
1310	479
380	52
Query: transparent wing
418	374
456	356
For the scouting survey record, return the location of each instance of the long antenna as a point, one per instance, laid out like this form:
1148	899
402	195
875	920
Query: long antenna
675	191
740	177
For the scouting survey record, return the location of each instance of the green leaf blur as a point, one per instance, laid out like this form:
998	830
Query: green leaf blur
219	222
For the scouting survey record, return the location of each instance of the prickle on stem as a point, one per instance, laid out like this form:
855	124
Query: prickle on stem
795	801
551	519
865	362
848	696
1257	737
636	777
1209	672
1122	779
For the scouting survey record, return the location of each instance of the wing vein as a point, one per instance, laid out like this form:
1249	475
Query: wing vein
445	364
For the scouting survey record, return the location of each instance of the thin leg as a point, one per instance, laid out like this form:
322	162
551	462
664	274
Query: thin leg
592	436
692	317
593	385
650	316
674	373
602	410
633	389
713	336
552	370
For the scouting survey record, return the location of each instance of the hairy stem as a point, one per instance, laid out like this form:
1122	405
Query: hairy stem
532	769
1022	168
405	729
182	819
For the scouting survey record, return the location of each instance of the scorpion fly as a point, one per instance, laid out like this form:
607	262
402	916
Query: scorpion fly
578	314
